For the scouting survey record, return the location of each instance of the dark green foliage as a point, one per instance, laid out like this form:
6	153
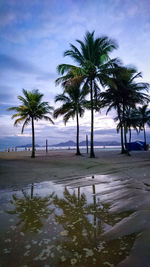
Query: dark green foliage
93	67
31	109
73	102
124	93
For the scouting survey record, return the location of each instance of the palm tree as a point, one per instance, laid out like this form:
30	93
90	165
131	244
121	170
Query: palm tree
124	92
31	109
92	65
73	100
131	120
143	114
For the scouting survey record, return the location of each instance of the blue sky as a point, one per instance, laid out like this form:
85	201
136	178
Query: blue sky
34	35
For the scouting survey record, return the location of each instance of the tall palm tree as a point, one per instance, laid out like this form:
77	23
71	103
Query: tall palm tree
73	100
93	62
123	91
31	109
143	114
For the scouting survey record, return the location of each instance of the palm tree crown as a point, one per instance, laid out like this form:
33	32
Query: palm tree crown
124	92
73	101
143	114
93	65
31	109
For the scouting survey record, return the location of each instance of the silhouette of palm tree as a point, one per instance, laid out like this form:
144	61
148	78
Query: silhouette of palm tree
31	109
93	63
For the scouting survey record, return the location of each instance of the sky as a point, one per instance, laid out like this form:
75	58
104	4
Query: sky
33	37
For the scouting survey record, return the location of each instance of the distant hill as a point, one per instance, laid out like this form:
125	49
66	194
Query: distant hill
68	143
71	143
83	143
100	143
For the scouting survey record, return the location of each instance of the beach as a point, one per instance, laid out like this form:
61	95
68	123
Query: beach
102	204
19	168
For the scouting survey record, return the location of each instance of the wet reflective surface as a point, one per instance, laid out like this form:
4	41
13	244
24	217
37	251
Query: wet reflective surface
82	222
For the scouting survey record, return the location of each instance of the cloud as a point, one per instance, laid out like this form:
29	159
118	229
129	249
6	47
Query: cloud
6	19
46	76
3	109
10	63
6	95
105	131
34	35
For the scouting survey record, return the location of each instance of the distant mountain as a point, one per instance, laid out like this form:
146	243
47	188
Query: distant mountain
100	143
83	143
71	143
68	143
28	145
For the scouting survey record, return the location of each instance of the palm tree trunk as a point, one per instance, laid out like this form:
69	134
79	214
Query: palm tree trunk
94	207
144	135
33	140
129	135
32	187
78	194
125	129
144	138
122	143
77	149
92	155
125	137
121	131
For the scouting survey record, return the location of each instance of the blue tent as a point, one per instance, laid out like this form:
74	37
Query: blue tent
137	145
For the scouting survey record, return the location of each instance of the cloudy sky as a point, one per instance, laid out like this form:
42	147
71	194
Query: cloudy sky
33	36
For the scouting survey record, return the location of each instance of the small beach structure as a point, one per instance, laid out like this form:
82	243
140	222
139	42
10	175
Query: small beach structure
137	145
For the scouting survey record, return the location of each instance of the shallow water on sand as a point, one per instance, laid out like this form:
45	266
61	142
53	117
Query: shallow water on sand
89	221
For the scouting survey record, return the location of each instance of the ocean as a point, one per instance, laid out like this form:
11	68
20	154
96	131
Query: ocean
82	148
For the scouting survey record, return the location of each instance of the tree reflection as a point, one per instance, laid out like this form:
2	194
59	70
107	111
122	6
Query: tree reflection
31	210
79	223
74	215
81	242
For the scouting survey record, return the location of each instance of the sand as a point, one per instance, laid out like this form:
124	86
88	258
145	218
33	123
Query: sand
124	186
19	168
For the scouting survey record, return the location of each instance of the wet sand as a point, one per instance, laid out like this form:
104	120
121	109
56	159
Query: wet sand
120	182
19	168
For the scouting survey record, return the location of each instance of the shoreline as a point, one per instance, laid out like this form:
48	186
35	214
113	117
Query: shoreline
53	148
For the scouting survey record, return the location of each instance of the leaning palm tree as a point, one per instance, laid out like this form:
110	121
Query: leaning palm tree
143	114
73	100
31	109
93	63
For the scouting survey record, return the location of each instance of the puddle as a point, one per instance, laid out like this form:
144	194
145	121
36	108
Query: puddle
83	222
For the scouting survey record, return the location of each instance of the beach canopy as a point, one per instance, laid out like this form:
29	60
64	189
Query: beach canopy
137	145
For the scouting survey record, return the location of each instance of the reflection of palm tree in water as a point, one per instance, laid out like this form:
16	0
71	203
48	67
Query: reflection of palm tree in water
76	220
83	226
31	210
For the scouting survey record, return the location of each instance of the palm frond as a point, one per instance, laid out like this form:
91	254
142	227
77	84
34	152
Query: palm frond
27	121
